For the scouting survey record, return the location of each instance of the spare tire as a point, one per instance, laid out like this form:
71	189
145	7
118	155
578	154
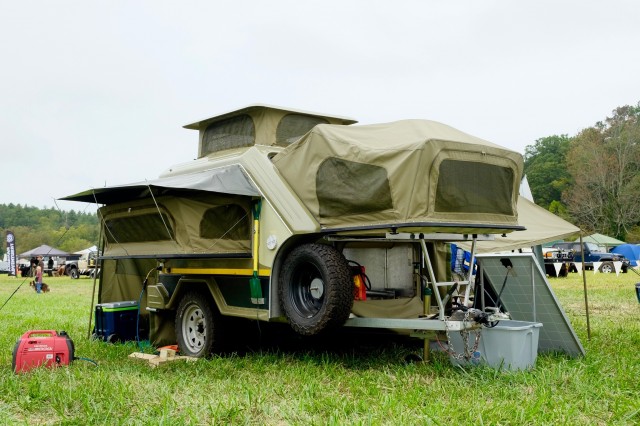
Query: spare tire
315	288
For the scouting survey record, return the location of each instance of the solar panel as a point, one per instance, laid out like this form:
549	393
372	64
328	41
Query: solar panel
527	296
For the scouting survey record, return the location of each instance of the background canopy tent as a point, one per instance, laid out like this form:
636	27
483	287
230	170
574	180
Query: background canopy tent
44	250
603	241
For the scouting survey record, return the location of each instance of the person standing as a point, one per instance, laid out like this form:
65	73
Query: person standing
38	278
32	266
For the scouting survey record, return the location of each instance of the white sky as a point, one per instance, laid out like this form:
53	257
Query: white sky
97	92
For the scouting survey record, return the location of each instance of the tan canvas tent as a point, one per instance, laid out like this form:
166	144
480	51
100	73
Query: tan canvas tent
418	174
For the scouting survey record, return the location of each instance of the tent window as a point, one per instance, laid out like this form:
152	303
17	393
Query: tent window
229	222
293	126
472	187
346	187
140	228
235	132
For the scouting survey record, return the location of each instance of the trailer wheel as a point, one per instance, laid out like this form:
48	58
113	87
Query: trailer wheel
198	328
607	267
74	273
316	288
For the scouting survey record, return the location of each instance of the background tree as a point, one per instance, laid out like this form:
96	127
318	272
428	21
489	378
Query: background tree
604	162
68	231
546	171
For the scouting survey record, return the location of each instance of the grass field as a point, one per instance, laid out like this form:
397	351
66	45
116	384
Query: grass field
366	381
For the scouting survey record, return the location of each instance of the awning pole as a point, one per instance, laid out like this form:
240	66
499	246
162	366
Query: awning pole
584	283
95	278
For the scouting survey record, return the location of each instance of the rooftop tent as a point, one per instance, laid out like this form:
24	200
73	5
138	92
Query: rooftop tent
413	174
258	124
542	227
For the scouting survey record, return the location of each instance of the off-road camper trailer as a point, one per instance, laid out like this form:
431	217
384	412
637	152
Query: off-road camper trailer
307	218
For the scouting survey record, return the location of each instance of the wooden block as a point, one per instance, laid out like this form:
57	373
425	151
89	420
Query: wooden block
166	355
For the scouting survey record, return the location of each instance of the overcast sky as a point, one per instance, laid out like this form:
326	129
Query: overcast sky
97	92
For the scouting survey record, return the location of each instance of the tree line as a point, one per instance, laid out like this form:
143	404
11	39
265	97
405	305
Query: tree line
592	179
68	231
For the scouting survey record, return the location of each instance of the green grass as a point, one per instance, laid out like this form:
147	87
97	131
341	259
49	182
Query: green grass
366	381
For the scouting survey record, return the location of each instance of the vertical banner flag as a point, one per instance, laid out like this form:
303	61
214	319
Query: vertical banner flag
11	253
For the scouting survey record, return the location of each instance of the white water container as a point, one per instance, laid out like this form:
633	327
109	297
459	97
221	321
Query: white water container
510	345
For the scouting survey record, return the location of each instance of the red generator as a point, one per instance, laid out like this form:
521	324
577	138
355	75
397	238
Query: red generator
42	348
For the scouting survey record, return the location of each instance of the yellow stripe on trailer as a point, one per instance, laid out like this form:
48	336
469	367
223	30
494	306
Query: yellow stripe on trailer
217	271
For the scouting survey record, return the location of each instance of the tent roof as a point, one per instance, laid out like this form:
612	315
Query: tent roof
87	250
602	240
226	180
43	250
254	107
542	227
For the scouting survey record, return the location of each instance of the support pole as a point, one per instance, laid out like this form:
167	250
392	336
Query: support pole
584	283
95	277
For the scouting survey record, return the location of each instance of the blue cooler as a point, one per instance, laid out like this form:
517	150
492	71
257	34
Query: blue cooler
116	321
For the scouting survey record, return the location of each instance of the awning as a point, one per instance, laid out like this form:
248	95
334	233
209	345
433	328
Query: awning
541	226
226	180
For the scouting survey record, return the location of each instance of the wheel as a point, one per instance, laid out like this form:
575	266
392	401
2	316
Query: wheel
113	338
198	325
607	267
74	273
316	289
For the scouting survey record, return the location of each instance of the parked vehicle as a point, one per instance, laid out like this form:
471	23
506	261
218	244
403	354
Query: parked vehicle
570	251
84	265
296	217
4	267
552	256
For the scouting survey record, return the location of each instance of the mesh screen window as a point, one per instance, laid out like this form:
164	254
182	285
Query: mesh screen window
235	132
137	229
346	187
293	126
472	187
230	222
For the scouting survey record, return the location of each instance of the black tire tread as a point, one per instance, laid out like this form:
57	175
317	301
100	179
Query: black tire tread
338	289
